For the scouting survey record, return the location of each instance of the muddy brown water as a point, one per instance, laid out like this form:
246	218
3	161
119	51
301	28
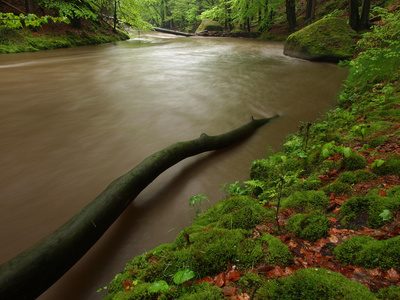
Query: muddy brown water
73	120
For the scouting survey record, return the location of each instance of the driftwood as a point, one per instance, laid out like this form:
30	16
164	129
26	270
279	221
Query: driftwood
172	31
32	272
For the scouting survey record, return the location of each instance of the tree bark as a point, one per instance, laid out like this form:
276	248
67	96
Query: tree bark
32	272
364	20
30	6
354	16
310	10
291	14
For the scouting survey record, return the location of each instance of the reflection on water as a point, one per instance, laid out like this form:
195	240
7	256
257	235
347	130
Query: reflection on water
72	120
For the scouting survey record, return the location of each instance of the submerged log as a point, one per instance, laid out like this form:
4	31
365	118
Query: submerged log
172	31
32	272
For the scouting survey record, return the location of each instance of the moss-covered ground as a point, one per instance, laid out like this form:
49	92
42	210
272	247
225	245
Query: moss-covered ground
319	220
57	35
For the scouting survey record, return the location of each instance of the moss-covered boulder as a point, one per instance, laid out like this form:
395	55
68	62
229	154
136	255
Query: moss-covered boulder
209	25
315	284
329	39
367	252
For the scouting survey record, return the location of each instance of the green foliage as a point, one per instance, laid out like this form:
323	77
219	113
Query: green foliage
160	285
368	252
183	276
197	201
379	61
306	200
71	9
310	226
234	189
314	284
11	20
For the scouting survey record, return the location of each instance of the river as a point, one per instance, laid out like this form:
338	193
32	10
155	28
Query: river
73	120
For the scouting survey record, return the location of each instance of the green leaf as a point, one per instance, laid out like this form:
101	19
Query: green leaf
347	151
183	276
160	285
386	215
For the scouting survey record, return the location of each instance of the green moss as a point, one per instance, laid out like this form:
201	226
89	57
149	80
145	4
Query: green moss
210	250
314	284
370	207
368	252
202	291
250	281
234	212
389	167
209	25
356	177
306	200
375	142
339	188
329	37
310	226
355	162
261	170
311	183
389	293
277	252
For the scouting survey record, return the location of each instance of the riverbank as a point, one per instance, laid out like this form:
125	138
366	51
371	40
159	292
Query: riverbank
57	35
324	210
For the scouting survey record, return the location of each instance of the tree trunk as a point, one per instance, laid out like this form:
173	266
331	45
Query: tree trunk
32	272
364	20
354	17
291	14
310	10
30	6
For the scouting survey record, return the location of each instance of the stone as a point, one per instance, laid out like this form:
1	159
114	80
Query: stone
329	39
209	25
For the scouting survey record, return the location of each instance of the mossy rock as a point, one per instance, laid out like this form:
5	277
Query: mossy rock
355	162
392	293
277	252
209	25
389	167
306	200
337	187
310	226
211	249
314	284
370	208
356	177
329	39
232	213
370	253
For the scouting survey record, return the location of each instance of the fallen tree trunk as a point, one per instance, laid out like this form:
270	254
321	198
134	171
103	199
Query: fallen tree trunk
32	272
172	31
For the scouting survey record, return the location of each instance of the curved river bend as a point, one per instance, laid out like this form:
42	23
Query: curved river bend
73	120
